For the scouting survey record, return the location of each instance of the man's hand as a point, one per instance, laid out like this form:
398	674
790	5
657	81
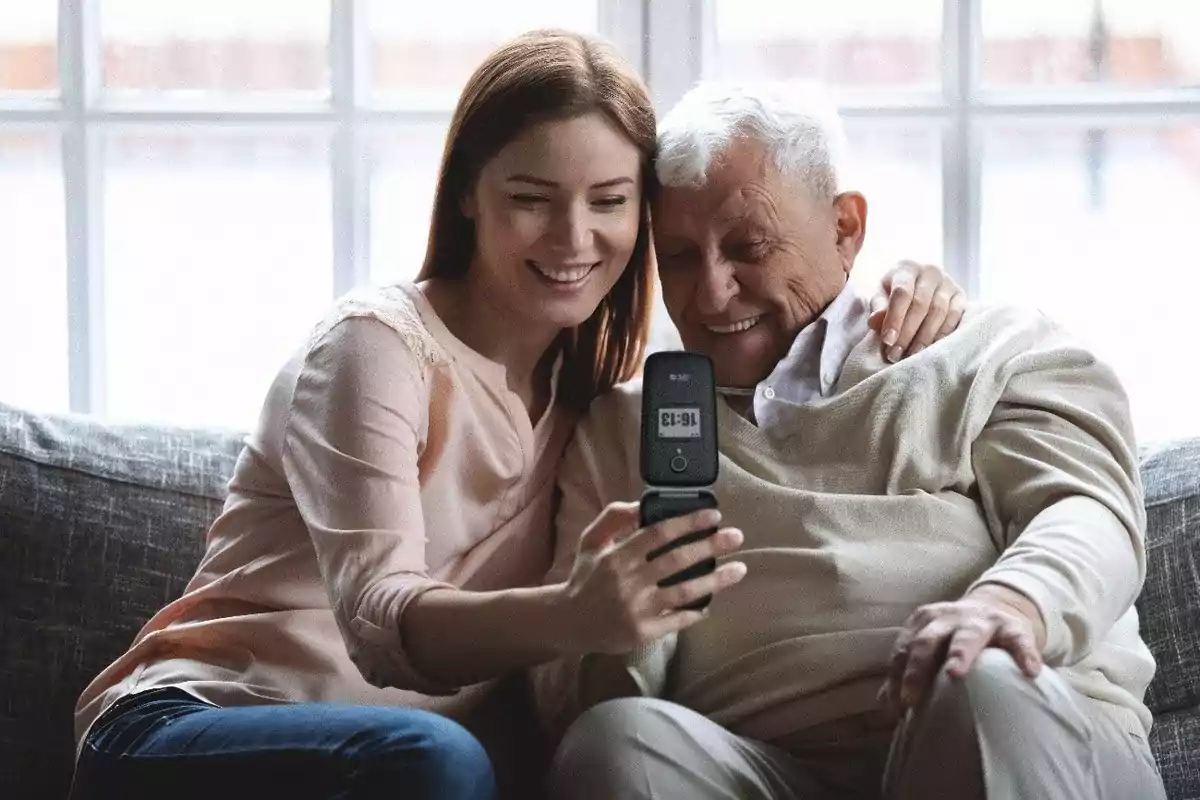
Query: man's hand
952	635
917	305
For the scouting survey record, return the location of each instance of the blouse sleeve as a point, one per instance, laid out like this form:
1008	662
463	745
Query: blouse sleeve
352	442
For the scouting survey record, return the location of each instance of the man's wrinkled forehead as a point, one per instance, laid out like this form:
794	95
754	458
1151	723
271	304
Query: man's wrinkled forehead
717	207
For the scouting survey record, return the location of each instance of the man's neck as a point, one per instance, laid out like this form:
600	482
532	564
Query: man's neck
814	358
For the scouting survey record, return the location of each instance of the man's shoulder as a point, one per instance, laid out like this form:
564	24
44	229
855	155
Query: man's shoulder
1015	328
1002	340
612	426
604	448
618	407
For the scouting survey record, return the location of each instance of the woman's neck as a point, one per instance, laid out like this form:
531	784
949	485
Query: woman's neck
523	350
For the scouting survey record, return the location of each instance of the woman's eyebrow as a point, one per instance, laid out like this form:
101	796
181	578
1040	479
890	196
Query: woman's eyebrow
536	181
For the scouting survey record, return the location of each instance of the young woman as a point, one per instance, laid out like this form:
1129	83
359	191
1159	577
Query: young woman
376	569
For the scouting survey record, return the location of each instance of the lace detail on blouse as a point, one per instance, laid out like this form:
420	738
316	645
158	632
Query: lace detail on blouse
390	305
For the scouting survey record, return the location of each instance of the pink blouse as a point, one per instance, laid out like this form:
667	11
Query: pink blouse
389	458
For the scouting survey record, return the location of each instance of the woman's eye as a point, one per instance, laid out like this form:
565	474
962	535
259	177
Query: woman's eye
528	199
612	202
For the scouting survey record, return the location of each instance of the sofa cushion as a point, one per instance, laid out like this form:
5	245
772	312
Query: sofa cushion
1169	607
101	525
1170	601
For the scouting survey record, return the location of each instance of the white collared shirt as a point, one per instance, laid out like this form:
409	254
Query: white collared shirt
814	362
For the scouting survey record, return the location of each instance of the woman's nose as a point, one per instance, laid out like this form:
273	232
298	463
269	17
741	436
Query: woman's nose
571	229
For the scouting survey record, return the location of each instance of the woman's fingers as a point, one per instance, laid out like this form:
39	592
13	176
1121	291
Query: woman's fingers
672	622
678	559
935	320
928	279
954	315
652	542
614	521
900	295
715	582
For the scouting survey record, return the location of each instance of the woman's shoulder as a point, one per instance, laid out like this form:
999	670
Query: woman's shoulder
395	306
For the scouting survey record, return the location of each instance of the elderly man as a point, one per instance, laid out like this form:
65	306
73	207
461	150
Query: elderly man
941	555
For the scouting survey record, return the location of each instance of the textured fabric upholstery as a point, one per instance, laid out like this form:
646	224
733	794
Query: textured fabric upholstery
101	525
99	528
1169	607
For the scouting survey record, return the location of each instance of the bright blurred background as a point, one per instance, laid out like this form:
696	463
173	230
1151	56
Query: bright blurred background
185	185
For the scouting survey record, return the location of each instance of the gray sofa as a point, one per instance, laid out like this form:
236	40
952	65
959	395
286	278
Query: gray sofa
100	525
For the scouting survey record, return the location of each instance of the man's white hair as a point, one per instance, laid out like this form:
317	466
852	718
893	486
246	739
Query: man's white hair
797	123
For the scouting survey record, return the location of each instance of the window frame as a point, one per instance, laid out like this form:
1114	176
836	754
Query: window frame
82	117
963	109
672	42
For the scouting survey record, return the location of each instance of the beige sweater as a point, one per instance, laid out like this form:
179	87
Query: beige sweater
1002	453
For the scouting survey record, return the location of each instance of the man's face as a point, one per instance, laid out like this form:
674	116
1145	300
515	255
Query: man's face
749	259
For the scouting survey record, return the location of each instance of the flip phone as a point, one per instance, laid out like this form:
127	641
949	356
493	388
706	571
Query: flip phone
679	457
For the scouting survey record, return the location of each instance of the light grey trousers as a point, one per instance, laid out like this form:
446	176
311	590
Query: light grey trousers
993	735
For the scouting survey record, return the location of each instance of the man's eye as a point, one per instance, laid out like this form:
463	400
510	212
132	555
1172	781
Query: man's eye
749	251
677	256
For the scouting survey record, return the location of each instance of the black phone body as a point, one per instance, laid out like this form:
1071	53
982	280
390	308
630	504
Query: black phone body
655	507
679	448
679	421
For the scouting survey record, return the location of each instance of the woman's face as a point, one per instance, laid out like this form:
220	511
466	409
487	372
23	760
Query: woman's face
556	217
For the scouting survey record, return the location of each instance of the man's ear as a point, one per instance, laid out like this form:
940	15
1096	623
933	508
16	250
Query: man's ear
851	210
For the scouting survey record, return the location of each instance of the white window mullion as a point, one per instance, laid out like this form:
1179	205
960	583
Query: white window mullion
348	49
681	37
961	156
79	67
623	22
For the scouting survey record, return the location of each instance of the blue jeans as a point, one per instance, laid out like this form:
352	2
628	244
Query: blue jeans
166	743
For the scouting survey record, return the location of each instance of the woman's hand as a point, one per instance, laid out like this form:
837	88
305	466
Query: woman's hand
917	305
954	634
613	594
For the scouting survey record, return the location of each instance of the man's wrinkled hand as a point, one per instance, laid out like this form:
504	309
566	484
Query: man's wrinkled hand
951	635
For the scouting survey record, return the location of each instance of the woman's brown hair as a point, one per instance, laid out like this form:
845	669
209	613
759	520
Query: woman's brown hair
539	76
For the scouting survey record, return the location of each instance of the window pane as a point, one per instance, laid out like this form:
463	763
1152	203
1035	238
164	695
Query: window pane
28	50
863	44
898	168
423	53
1121	42
404	168
217	264
1096	228
33	272
201	49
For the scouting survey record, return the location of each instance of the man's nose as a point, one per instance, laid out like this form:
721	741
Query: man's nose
716	286
571	229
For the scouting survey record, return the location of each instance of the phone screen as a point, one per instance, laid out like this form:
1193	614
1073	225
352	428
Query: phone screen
679	423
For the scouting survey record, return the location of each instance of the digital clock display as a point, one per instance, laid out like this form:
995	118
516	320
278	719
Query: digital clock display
679	423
